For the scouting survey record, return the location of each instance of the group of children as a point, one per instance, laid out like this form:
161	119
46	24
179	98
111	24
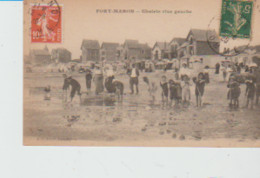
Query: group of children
178	92
235	91
172	91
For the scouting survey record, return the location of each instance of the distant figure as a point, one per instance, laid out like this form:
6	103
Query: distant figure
134	74
199	88
251	70
47	95
238	69
88	79
233	92
164	86
246	68
175	92
206	74
250	92
75	86
229	71
224	71
217	68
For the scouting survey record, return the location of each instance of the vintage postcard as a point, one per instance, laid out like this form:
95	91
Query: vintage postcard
180	73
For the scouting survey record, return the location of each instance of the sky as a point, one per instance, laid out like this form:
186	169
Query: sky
81	21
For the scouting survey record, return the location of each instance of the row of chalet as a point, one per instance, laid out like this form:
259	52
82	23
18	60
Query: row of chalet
131	49
44	56
196	43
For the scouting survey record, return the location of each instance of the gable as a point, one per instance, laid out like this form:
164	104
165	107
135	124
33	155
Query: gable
202	35
90	44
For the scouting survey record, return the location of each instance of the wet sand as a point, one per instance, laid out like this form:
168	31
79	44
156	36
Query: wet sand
102	119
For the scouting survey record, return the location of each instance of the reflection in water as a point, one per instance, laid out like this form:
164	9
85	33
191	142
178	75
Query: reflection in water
98	101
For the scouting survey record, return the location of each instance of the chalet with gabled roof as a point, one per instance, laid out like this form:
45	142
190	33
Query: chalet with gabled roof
90	50
108	51
200	42
133	50
146	51
40	56
61	55
161	50
174	45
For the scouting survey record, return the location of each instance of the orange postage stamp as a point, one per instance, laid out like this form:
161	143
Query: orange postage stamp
46	23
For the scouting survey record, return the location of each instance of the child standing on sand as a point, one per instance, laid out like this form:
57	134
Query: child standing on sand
172	91
164	86
152	88
233	92
199	88
152	91
47	94
175	92
250	92
186	89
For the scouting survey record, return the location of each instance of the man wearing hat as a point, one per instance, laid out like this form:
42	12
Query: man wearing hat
134	74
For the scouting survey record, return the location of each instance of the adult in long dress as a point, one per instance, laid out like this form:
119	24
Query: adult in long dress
98	80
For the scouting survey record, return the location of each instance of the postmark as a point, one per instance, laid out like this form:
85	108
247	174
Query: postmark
236	17
231	45
46	26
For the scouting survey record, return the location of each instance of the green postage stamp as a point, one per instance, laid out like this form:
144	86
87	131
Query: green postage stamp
236	18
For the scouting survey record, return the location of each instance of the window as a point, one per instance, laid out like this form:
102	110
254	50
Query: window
191	51
191	40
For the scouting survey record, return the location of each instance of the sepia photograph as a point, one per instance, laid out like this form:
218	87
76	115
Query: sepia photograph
179	73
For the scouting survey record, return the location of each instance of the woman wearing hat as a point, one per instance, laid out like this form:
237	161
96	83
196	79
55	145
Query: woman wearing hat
98	79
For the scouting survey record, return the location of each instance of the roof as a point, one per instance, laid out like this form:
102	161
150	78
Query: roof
184	44
132	43
256	47
201	35
144	46
180	41
61	49
162	45
40	52
109	45
90	44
